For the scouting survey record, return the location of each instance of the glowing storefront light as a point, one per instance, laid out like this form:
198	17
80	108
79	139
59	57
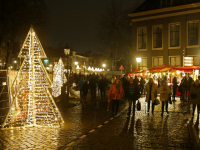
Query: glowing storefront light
32	104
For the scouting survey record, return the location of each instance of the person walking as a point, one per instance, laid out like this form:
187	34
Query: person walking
151	93
159	81
93	85
102	87
193	95
115	93
80	85
190	83
174	81
142	83
85	91
184	84
164	92
133	94
124	82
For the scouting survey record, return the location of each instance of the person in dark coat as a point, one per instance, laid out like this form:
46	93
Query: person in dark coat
133	93
93	85
142	83
184	84
174	81
124	82
190	82
80	85
193	95
85	90
159	81
102	87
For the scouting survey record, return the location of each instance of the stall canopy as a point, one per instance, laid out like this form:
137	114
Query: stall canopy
161	68
136	72
187	68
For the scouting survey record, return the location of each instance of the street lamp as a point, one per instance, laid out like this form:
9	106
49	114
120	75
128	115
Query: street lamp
46	62
15	64
138	62
76	63
67	53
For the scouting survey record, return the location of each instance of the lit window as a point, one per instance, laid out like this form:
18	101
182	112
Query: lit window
193	33
143	64
175	61
142	38
174	35
157	36
196	60
157	61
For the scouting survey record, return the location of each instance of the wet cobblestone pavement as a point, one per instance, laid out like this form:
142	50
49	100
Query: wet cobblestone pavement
92	127
142	132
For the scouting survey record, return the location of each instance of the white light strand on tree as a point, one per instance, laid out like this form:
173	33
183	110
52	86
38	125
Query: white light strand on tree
59	78
32	104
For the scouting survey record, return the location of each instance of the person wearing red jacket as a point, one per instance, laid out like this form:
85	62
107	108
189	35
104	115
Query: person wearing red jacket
115	93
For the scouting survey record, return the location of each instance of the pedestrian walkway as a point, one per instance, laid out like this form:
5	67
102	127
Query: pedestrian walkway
93	127
144	131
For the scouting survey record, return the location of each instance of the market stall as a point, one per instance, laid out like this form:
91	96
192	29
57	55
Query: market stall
137	72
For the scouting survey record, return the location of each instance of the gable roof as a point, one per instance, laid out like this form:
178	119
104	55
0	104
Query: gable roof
148	5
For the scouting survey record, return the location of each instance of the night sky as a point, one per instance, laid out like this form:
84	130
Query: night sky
75	22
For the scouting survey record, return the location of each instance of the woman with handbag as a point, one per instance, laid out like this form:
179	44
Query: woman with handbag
164	92
193	95
151	93
115	93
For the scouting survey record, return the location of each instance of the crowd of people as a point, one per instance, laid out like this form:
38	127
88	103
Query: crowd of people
132	89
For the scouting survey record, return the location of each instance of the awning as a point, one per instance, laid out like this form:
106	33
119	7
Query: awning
161	68
137	72
187	68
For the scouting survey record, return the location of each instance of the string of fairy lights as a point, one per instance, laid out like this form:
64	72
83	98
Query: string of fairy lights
59	78
32	103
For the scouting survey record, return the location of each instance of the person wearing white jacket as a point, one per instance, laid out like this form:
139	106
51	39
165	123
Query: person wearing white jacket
164	92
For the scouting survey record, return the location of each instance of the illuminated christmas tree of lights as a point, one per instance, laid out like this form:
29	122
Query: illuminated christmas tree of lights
32	104
59	78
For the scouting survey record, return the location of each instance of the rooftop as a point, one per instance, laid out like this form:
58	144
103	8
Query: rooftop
148	5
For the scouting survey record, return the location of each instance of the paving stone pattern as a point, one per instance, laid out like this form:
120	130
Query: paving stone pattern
142	132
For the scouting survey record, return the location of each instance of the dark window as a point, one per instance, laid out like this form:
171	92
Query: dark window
142	38
157	36
174	35
193	33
